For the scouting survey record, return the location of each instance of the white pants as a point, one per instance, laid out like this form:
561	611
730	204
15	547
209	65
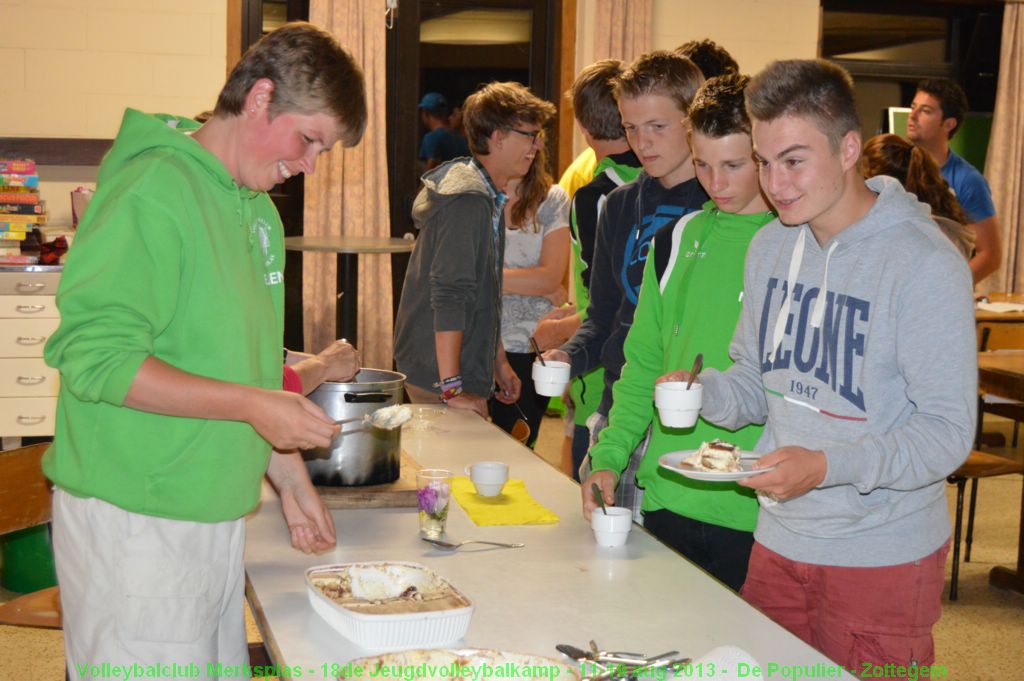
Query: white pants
141	593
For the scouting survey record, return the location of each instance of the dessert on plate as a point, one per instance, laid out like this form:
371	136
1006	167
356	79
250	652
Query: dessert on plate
717	456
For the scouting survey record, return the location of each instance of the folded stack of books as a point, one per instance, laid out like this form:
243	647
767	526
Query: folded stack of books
21	209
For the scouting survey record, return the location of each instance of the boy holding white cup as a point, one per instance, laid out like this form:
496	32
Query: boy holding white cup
690	301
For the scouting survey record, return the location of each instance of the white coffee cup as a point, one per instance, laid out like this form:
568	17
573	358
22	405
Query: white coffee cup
677	406
550	378
611	530
489	477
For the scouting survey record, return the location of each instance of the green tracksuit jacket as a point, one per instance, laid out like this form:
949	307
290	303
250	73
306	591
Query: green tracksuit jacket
690	301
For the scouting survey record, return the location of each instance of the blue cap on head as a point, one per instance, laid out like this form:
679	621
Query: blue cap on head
433	101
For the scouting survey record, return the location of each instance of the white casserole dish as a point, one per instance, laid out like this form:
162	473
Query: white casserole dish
386	582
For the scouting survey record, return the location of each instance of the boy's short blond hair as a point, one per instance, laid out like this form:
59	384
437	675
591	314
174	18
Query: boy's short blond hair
311	73
660	73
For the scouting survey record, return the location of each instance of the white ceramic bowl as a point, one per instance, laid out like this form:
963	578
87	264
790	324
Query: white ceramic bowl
677	406
488	477
612	529
550	378
389	631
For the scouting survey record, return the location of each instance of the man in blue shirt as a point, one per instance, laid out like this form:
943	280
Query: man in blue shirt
938	110
439	144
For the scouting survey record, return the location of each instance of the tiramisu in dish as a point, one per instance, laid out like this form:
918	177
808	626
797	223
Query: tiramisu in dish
717	456
386	596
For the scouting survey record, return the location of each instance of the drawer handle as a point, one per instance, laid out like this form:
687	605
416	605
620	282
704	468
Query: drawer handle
30	340
29	380
29	286
30	420
30	309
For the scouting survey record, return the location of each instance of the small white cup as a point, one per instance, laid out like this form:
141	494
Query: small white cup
489	477
677	406
611	530
550	379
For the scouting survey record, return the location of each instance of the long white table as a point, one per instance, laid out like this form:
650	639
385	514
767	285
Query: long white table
560	588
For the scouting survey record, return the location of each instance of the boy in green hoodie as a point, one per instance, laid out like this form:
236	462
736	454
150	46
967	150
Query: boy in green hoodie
689	302
169	349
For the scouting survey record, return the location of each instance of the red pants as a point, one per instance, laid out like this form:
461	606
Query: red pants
854	615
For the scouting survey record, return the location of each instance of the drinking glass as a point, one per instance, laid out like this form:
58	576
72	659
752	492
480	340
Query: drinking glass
433	490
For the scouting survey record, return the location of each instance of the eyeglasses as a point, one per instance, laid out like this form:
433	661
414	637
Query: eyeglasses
534	135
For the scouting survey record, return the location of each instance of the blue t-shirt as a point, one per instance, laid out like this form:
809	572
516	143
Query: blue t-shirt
970	187
443	145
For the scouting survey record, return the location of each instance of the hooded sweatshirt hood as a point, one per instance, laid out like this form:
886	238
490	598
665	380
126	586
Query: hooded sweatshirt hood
837	348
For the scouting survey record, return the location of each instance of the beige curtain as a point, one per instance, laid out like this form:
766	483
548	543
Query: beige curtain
622	29
1004	166
348	194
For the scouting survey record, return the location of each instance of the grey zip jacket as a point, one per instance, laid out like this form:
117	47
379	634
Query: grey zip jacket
454	278
864	348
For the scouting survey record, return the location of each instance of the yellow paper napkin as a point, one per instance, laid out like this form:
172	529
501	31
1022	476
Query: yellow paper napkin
514	506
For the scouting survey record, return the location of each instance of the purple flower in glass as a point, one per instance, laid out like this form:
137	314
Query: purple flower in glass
427	497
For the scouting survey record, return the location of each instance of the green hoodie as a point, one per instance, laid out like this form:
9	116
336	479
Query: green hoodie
172	260
690	301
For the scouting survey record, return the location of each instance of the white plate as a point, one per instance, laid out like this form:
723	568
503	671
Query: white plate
673	461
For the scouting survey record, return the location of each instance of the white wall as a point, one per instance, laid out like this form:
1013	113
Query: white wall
755	32
72	66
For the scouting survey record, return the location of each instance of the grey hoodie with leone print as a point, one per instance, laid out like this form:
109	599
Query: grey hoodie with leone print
873	360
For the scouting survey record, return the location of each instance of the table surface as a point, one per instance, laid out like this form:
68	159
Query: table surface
1001	373
560	588
348	244
986	316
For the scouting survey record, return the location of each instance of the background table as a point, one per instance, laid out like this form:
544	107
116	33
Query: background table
1014	317
560	588
1002	373
348	248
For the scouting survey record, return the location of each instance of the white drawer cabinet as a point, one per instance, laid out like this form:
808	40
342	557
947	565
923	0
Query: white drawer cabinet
27	416
28	377
28	317
29	281
25	337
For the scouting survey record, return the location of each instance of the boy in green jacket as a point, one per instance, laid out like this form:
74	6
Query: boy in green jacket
169	349
689	303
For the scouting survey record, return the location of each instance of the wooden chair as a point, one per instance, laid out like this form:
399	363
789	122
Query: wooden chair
25	501
521	431
978	465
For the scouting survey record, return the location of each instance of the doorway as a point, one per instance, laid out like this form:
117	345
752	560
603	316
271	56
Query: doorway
453	47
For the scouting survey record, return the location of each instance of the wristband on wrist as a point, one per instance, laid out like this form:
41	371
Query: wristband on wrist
449	393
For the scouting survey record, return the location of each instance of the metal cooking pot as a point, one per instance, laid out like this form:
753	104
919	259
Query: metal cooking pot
360	454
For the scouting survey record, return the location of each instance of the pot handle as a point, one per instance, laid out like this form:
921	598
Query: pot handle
357	398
